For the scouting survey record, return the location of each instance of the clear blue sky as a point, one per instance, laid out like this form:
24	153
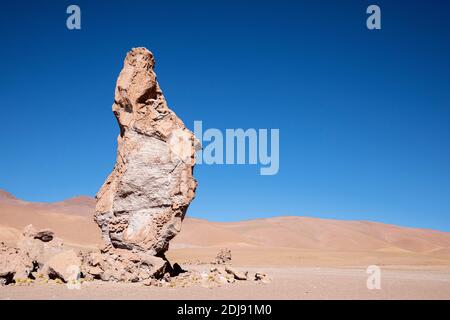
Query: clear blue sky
363	115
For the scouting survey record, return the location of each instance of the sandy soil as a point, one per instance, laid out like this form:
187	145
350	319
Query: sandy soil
287	283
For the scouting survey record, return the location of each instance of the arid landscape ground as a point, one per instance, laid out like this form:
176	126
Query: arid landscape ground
305	258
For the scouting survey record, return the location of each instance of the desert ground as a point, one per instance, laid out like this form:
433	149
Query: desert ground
305	258
287	283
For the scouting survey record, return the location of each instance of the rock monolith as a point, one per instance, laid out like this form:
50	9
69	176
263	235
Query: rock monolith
142	203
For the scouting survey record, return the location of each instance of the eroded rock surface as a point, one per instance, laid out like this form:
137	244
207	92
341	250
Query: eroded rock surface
65	266
144	200
121	265
13	265
34	249
39	245
223	256
236	274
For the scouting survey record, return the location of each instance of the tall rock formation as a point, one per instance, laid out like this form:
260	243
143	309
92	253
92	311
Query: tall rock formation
142	203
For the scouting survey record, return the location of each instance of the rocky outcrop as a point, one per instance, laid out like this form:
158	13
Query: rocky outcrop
223	256
34	250
143	201
39	246
13	265
121	265
140	206
37	260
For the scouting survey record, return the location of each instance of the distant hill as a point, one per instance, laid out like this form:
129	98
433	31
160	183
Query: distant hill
290	237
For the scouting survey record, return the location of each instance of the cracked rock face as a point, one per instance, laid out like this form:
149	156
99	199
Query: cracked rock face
142	203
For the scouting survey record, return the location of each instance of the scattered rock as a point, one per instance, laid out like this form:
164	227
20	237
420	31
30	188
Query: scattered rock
236	274
223	256
216	277
259	276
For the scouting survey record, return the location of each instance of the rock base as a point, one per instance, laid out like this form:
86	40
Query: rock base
120	265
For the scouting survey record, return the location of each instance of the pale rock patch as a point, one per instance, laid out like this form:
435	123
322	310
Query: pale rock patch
65	266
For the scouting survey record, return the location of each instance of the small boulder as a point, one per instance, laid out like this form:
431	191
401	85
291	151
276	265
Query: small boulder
177	270
40	245
223	256
259	276
65	266
112	264
237	274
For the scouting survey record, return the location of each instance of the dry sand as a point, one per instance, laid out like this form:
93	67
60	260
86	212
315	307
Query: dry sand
307	258
287	283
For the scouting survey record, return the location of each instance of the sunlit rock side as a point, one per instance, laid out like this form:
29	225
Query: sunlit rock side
142	203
